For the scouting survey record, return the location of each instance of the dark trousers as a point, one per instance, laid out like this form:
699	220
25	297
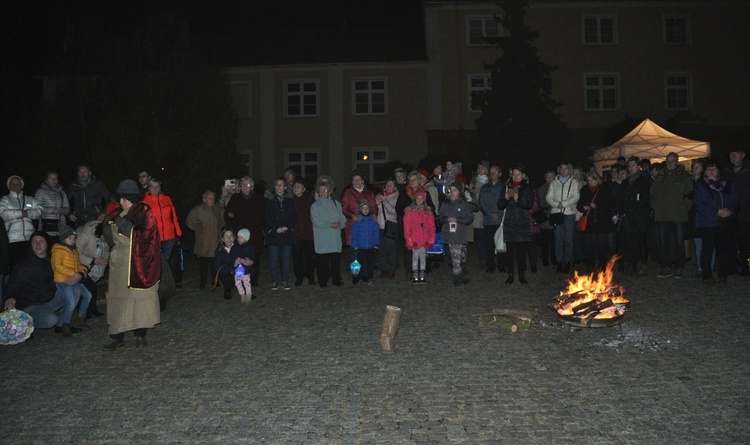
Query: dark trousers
91	287
329	266
479	242
532	248
597	249
714	237
632	247
366	258
672	243
204	264
547	241
141	332
495	260
388	254
739	247
517	251
303	257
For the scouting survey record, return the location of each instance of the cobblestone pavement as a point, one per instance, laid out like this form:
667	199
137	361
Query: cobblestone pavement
304	367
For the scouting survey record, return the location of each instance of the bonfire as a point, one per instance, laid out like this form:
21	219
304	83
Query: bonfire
592	297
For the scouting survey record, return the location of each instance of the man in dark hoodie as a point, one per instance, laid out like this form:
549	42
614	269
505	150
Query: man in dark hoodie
88	197
670	199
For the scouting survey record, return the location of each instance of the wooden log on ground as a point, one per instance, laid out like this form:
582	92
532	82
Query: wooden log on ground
390	328
512	322
529	313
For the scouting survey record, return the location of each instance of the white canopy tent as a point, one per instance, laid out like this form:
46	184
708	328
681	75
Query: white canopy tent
650	141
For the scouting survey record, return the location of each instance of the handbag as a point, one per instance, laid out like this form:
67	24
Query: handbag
557	219
500	245
390	230
582	223
50	225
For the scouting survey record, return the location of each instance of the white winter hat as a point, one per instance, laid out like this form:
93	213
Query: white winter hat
244	233
7	183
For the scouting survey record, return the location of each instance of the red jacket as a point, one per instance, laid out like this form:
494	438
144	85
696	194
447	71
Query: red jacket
165	214
419	228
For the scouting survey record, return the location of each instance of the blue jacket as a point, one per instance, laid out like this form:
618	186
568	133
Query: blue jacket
488	197
365	232
707	203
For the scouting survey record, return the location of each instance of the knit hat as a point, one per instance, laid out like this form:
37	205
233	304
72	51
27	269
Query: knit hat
421	193
461	178
458	185
289	170
244	233
64	231
424	172
7	183
128	187
485	163
363	203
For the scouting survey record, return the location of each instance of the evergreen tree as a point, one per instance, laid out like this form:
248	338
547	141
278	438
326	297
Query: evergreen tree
518	121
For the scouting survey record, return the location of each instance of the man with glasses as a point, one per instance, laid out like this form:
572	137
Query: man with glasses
143	178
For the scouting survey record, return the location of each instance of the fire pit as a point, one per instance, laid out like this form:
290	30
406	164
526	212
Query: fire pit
592	301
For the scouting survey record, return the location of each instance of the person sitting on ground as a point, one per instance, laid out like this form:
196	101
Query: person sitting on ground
455	217
245	257
226	261
70	276
365	242
31	287
419	234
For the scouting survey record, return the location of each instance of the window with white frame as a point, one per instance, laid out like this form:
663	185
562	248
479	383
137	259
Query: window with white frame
678	91
676	29
239	94
479	28
599	29
367	160
301	98
304	163
477	84
602	91
369	96
246	158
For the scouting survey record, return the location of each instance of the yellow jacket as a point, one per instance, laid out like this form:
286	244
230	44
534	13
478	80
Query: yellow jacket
65	262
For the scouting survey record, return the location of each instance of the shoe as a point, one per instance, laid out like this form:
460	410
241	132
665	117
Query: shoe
96	313
456	280
421	280
522	279
298	282
323	285
311	281
113	344
463	278
698	274
285	286
244	298
566	267
79	322
665	273
227	294
274	286
744	273
415	280
677	273
140	342
510	279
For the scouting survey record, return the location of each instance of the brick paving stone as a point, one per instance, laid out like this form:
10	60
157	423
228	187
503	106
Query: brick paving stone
305	367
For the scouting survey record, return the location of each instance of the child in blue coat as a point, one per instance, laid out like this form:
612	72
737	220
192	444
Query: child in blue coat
365	242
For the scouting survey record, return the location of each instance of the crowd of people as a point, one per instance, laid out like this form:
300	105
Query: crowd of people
58	244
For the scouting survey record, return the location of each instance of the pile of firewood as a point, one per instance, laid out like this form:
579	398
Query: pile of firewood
585	308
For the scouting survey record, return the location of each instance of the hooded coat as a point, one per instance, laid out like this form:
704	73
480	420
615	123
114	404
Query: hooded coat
12	205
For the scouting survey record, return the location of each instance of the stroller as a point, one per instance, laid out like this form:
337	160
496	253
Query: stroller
436	253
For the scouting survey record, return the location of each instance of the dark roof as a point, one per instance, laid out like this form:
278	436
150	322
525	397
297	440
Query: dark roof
382	44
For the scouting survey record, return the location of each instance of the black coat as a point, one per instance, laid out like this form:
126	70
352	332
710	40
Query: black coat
634	204
280	214
31	281
600	218
517	223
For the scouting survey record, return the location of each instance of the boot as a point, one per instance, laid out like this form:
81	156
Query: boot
510	278
79	322
522	278
463	278
456	280
67	330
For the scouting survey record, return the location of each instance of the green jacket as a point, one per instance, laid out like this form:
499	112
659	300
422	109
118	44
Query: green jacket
670	195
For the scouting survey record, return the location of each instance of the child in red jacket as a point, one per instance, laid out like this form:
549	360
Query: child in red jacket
419	233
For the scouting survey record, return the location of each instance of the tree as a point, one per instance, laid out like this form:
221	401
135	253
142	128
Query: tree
518	121
162	105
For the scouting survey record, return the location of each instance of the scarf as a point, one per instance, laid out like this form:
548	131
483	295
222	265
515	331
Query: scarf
715	183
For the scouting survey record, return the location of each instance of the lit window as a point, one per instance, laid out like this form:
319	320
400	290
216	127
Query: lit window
304	163
479	28
599	30
478	83
678	91
369	96
367	160
301	98
676	29
602	92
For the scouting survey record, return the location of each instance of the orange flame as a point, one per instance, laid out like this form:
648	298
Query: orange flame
587	289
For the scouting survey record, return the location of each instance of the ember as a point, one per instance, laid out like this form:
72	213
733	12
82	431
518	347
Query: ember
590	301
